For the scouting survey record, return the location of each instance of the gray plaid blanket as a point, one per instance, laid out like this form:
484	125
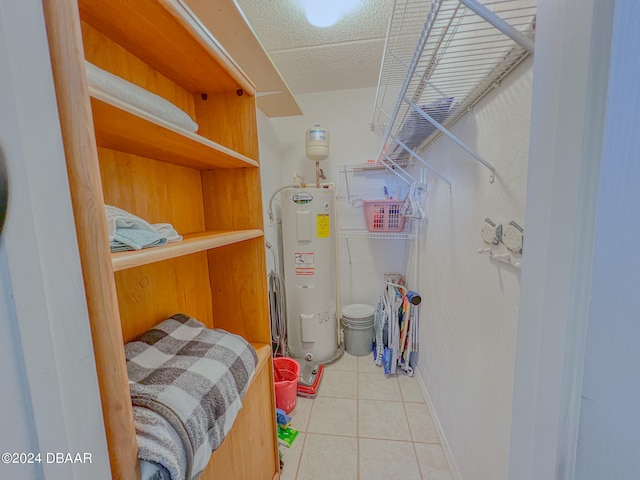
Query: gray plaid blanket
187	383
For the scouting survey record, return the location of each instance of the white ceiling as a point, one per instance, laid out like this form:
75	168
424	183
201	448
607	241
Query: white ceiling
313	59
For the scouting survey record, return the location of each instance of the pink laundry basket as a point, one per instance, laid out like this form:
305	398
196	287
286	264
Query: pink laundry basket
384	215
286	388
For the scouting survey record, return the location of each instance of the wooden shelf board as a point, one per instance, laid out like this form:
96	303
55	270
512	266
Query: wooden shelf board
191	243
230	27
167	36
123	127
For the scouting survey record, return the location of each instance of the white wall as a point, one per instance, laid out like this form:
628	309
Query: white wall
346	114
270	178
470	308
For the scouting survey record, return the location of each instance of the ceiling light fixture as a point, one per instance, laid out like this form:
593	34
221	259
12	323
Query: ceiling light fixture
324	13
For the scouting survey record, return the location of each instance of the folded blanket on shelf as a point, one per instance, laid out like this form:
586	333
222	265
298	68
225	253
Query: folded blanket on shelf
129	232
187	383
133	239
101	81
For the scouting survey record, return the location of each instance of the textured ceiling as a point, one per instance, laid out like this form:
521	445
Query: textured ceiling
313	59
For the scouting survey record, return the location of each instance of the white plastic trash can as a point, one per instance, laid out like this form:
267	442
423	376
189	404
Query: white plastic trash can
357	320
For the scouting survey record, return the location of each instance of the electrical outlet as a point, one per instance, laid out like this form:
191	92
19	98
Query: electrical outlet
491	233
513	237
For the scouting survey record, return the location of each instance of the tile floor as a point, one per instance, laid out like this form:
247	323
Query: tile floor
363	425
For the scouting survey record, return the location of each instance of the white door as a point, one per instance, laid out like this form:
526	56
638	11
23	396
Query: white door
48	388
575	407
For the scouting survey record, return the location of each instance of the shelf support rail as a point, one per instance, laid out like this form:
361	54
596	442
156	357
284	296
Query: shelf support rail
435	7
511	32
459	142
397	169
487	15
423	161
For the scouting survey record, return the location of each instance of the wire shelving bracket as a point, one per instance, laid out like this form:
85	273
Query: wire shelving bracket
441	58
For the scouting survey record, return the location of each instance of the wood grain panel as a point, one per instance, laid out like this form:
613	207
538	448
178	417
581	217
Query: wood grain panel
152	293
219	116
165	36
65	46
238	460
232	199
108	55
159	192
239	290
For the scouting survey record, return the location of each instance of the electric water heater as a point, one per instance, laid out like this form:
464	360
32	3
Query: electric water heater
309	257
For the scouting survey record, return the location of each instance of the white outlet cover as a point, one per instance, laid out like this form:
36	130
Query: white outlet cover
488	233
512	238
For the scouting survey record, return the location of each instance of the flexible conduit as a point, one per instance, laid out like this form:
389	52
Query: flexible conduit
277	307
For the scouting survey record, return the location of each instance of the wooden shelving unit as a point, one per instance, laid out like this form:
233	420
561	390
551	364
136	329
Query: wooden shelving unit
206	184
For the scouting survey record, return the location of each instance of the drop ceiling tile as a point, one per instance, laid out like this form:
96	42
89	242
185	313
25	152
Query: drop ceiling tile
333	67
281	24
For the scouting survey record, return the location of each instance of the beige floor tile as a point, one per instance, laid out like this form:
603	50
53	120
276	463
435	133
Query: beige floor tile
366	364
433	463
347	363
291	457
376	386
387	459
410	389
421	424
300	414
338	384
334	416
327	457
379	419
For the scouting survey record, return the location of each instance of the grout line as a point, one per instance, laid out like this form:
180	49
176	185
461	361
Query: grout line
413	442
444	444
328	44
304	442
357	421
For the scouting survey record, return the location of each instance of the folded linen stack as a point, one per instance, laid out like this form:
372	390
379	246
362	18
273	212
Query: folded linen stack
187	383
129	232
106	86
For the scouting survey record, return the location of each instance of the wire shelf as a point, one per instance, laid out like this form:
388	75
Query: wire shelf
440	59
377	235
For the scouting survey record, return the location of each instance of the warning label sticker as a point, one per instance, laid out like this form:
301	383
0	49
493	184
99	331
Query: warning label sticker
324	225
305	269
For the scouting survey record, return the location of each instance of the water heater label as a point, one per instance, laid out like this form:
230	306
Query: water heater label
305	269
317	135
324	225
302	198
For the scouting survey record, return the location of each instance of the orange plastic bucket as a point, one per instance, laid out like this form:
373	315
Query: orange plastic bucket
286	373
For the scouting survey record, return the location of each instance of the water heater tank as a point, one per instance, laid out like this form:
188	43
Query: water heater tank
317	141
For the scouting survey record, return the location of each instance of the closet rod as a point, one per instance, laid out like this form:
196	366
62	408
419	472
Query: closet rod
511	32
460	143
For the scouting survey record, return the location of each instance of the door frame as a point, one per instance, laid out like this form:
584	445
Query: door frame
51	318
571	66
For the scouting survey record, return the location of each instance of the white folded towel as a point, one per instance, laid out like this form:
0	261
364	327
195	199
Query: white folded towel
132	94
118	218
